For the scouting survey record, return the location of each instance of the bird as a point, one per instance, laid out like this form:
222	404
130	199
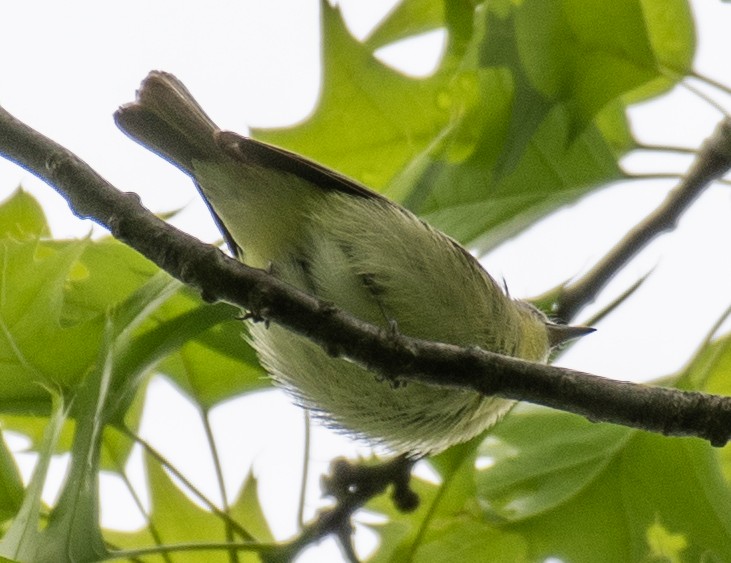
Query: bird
344	243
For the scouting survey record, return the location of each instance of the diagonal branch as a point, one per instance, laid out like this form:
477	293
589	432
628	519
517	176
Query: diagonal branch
712	161
219	277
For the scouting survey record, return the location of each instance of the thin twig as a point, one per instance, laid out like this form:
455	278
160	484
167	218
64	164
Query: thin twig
190	547
641	176
305	469
351	485
703	96
152	528
230	522
708	80
639	145
385	353
233	555
712	161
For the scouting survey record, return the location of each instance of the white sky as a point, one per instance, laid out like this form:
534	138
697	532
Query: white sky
66	66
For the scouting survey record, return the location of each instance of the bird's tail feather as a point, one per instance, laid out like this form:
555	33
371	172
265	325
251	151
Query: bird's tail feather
166	119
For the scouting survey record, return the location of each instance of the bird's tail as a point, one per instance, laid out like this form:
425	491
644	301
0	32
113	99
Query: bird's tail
166	119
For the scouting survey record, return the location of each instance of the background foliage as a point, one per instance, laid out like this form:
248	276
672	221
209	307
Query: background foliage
525	114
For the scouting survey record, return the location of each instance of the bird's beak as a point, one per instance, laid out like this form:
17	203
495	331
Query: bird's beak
558	334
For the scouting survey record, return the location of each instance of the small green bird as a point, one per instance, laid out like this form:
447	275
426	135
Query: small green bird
342	242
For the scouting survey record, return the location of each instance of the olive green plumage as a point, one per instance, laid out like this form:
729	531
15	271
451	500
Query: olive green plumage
344	243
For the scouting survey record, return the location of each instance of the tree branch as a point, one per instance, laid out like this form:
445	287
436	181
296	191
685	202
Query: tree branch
351	485
219	277
712	161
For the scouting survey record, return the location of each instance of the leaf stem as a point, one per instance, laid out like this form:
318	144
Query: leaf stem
204	414
193	546
305	470
712	161
195	490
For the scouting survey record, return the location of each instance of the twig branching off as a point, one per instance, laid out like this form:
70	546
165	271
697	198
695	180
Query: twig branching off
219	277
351	485
712	161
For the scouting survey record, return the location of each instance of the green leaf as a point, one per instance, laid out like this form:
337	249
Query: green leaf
73	532
54	339
606	509
524	115
38	346
11	485
371	120
108	273
175	519
33	427
469	539
22	540
217	365
403	533
116	446
664	545
709	371
439	505
57	294
201	346
546	142
142	303
671	33
247	510
482	200
531	476
586	53
556	485
22	217
409	18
